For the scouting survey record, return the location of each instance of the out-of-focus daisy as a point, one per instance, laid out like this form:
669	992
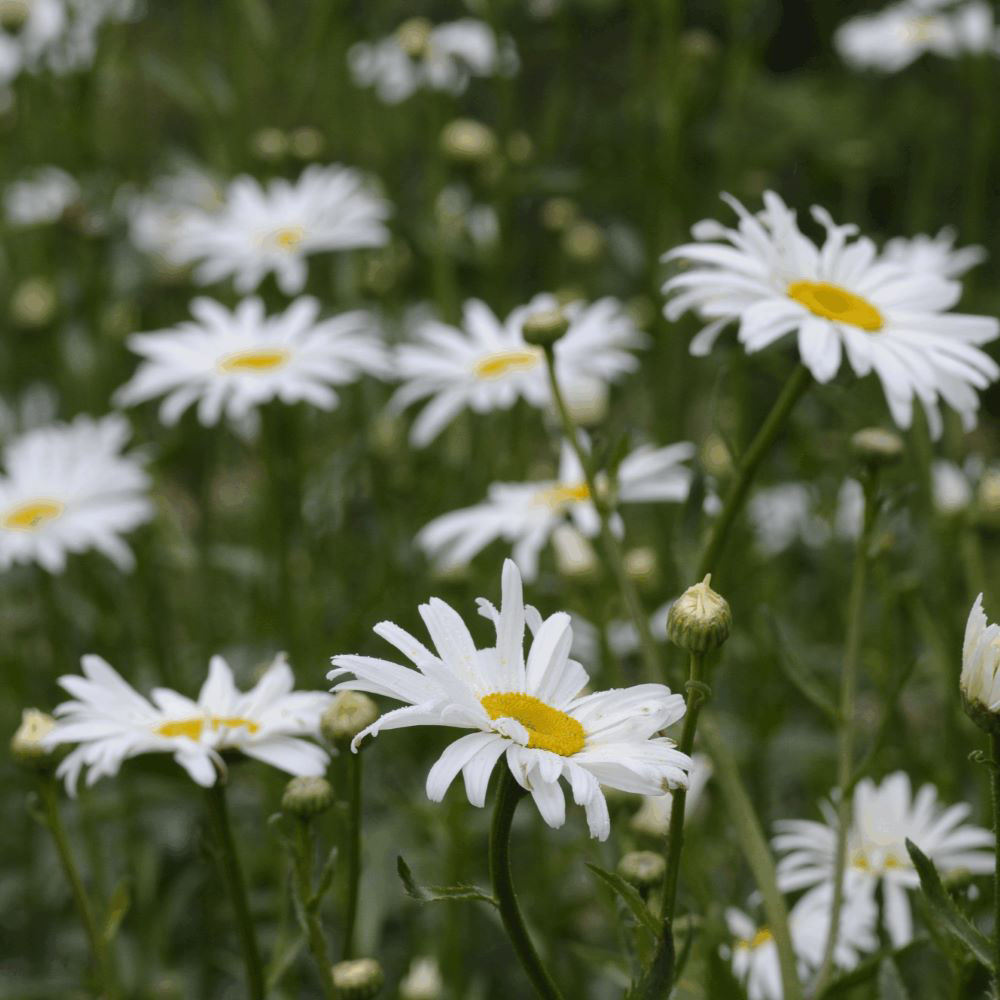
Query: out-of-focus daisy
423	981
980	679
419	55
773	281
111	722
259	230
755	955
652	818
951	487
526	514
529	710
68	488
41	197
784	514
36	406
486	365
885	816
933	254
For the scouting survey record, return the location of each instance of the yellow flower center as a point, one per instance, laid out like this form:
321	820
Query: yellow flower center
563	495
32	515
836	303
757	941
192	728
549	728
920	29
288	237
264	360
498	365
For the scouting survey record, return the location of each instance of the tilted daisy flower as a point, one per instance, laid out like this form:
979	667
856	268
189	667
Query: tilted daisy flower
528	710
486	364
420	55
933	254
526	514
980	678
839	298
232	362
259	230
68	488
110	722
885	816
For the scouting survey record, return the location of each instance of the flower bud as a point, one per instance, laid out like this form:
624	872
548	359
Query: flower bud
558	212
700	619
876	446
14	15
583	241
348	714
413	36
34	302
641	564
520	148
544	327
988	498
306	142
468	141
27	746
306	797
643	869
980	678
357	979
269	144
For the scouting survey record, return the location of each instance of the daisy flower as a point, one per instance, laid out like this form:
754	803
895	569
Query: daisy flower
68	488
980	679
40	198
110	722
421	56
232	362
528	710
486	365
933	254
837	298
784	514
526	514
259	230
884	817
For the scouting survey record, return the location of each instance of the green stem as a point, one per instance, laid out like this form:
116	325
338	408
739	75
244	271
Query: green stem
995	788
509	793
302	857
794	388
235	882
353	852
108	980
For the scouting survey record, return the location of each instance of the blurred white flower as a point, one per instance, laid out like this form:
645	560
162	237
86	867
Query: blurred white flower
68	488
950	487
419	55
784	514
526	514
529	710
41	197
259	230
111	722
486	365
773	281
933	254
37	405
980	679
652	818
423	981
229	363
884	817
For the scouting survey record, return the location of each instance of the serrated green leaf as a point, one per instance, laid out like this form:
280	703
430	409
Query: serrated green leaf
440	893
629	896
116	909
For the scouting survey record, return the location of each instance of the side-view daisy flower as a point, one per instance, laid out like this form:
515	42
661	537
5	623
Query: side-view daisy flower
885	816
68	488
526	514
259	230
838	298
933	254
110	722
487	365
980	678
229	363
528	710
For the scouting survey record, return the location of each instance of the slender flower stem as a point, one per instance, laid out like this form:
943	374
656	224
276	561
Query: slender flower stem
233	874
107	979
845	726
995	788
509	793
302	862
353	852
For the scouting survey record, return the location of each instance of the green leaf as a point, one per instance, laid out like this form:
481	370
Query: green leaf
440	893
869	968
283	961
807	685
117	907
630	897
944	908
325	878
890	984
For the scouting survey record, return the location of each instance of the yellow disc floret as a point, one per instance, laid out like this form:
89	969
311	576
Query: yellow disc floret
192	728
264	360
549	728
837	304
32	515
498	365
564	495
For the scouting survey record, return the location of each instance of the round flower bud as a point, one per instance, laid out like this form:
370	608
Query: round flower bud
13	15
583	241
980	678
558	212
34	302
877	446
413	36
988	498
27	746
306	797
641	564
269	143
643	869
700	619
520	148
358	979
306	142
468	141
545	327
348	714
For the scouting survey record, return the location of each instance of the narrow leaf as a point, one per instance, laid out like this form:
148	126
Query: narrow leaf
868	969
440	893
117	907
630	897
807	685
890	983
325	878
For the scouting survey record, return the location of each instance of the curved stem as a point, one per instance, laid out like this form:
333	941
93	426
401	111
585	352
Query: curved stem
509	793
995	788
353	852
302	856
235	882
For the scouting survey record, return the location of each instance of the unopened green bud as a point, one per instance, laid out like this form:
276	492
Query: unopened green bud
306	797
306	142
643	869
700	619
545	327
13	15
468	141
269	143
559	212
413	36
27	746
348	714
877	446
358	979
583	241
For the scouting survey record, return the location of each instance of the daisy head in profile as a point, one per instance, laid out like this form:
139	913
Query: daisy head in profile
980	678
68	488
529	710
260	230
231	362
108	722
838	298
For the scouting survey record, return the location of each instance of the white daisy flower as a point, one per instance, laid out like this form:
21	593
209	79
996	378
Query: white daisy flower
652	818
933	254
260	230
111	722
68	488
40	198
885	817
774	281
486	365
232	362
951	488
529	710
526	514
980	679
784	514
755	955
421	56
